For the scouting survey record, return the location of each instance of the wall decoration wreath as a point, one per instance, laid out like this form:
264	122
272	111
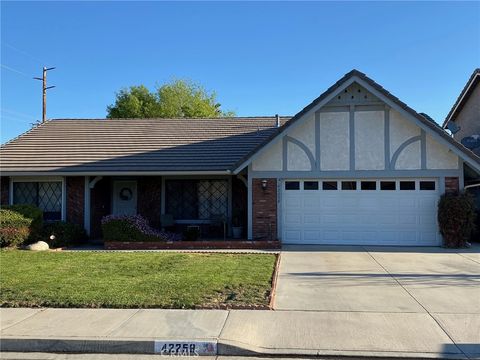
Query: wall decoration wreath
126	193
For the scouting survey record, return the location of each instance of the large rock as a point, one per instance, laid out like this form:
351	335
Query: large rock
38	246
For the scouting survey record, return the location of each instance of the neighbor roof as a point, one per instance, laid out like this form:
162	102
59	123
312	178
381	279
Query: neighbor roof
135	145
463	97
468	154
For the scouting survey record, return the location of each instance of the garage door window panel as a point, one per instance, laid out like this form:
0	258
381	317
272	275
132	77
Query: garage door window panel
349	185
407	185
310	185
369	185
427	185
388	185
329	185
292	185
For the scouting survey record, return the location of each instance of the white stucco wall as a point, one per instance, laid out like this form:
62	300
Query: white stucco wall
410	158
439	156
297	159
334	141
369	140
369	137
305	133
271	159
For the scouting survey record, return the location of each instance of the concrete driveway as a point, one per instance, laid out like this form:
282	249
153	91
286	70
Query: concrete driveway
379	279
434	287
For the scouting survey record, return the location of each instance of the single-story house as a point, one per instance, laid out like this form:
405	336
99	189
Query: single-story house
355	166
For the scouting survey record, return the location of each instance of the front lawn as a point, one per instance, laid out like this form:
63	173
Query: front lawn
135	279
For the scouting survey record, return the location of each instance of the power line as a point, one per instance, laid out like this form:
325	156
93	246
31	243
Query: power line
17	113
13	70
23	52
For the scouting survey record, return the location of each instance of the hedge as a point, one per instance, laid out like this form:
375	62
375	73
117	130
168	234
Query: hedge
29	212
456	218
65	234
14	228
133	228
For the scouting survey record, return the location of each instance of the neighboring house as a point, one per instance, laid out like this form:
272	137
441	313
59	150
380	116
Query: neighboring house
465	113
464	122
356	166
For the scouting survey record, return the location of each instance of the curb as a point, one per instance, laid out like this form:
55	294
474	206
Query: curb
220	348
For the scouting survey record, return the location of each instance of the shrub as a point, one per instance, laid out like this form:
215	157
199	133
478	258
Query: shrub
29	212
133	228
456	218
14	228
66	234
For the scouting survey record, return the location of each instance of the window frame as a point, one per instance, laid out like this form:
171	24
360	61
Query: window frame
60	179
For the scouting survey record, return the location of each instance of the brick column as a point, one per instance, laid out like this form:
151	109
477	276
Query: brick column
264	211
452	185
5	190
75	186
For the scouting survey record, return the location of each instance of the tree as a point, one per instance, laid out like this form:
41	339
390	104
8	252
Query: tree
134	102
179	98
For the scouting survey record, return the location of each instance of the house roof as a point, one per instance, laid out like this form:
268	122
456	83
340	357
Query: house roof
355	74
463	97
135	145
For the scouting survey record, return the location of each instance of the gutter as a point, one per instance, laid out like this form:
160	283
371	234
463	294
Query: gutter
113	173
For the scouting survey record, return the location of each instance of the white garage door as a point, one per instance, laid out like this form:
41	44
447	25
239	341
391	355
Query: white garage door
360	212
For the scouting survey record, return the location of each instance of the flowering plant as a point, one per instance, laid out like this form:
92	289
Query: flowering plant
133	228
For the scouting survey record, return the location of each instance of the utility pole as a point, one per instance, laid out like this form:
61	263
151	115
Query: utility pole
44	90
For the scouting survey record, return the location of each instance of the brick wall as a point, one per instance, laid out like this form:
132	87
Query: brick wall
264	211
451	185
149	203
4	190
75	199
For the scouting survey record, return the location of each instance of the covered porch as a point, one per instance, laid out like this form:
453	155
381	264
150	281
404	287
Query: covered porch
200	207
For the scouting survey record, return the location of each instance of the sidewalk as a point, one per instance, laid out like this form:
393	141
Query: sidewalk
233	333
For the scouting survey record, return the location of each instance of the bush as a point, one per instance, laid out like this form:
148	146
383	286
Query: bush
133	228
14	228
29	212
66	234
456	218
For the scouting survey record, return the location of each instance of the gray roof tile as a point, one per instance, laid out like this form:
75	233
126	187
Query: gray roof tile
135	145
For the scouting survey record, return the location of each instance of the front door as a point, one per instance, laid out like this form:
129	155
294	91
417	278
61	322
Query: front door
124	197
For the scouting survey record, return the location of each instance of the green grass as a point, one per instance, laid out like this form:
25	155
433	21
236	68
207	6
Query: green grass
134	280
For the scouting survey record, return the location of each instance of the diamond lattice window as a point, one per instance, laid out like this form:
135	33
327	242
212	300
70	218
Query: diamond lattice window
46	195
196	199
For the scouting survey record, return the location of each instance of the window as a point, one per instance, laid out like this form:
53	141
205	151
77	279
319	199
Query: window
45	195
329	185
369	185
349	185
310	185
292	185
196	199
427	185
387	185
407	185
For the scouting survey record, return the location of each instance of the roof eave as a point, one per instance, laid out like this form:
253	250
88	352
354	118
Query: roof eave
113	173
463	97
